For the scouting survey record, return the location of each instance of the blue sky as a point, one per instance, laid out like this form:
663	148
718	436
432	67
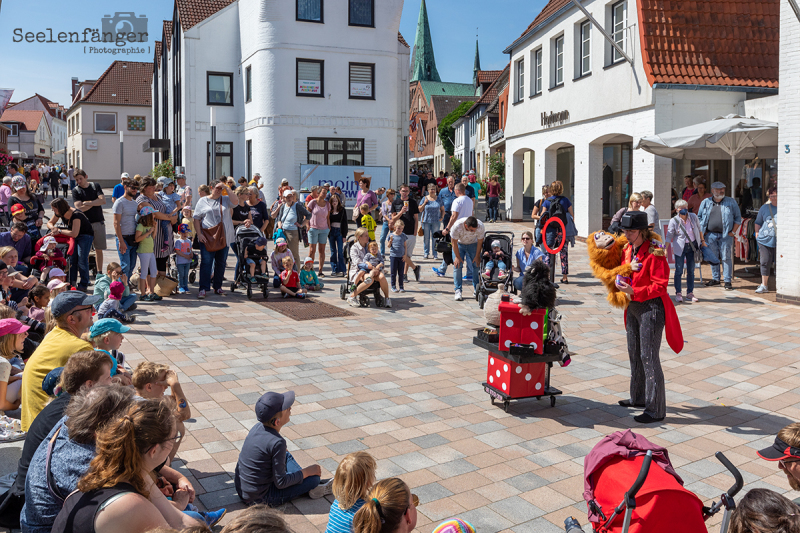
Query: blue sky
47	68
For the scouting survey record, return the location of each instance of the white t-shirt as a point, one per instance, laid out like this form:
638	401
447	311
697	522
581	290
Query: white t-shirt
462	206
5	370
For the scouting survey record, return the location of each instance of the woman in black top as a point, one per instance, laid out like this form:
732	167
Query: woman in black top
73	223
258	210
337	236
34	211
240	215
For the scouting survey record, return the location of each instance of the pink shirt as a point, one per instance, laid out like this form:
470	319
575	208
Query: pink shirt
5	194
319	215
687	225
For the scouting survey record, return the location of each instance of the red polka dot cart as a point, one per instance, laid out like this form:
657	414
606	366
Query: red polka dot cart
522	353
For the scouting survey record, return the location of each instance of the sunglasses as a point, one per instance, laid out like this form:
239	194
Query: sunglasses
526	238
178	436
79	310
784	462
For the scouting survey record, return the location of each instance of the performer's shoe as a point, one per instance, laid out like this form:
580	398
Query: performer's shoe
644	418
628	403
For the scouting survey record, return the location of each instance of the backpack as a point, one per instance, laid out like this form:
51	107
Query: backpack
556	209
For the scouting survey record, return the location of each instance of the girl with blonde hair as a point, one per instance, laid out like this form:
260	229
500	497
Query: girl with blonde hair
12	341
354	477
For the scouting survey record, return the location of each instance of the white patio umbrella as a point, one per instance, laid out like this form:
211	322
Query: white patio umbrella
733	136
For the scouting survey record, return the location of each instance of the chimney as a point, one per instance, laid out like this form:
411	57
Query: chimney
75	86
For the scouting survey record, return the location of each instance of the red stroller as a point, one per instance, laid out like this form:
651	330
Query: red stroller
626	467
67	247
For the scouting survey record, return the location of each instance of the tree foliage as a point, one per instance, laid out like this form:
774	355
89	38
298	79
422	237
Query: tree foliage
165	168
446	132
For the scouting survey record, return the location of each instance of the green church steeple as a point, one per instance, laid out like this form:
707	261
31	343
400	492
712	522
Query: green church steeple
424	64
477	66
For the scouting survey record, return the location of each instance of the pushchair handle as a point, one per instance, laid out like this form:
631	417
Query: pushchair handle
739	481
648	458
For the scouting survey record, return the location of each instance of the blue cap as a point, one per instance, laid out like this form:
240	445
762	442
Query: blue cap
261	241
51	380
104	325
146	210
69	300
272	403
183	228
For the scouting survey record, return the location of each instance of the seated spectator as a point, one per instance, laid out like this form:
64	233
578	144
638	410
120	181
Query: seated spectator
37	331
47	258
786	451
70	454
72	311
106	336
111	307
354	477
276	260
526	255
12	342
18	237
290	281
83	371
151	381
38	300
127	448
257	519
102	286
266	472
389	508
765	511
20	282
56	287
454	525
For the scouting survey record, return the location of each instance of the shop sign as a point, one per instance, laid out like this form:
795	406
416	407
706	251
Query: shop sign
309	86
91	144
554	119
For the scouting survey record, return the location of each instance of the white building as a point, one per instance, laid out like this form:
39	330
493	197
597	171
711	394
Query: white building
29	138
56	116
577	105
290	82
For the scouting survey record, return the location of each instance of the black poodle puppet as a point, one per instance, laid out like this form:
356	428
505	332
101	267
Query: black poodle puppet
537	290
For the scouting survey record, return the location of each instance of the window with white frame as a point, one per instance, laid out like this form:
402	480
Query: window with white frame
619	17
586	45
536	82
558	61
105	123
14	130
520	80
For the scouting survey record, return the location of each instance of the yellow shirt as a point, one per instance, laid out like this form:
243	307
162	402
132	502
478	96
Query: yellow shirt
52	353
189	222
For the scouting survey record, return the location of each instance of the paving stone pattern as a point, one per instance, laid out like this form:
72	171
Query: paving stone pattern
404	384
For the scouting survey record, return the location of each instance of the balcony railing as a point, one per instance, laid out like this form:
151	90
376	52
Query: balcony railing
496	136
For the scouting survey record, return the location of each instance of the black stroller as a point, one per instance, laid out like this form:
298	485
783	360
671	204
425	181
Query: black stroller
347	287
487	286
173	268
245	237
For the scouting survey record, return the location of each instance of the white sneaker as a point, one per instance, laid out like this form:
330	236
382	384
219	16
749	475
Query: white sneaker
678	298
322	490
761	289
353	302
387	303
458	297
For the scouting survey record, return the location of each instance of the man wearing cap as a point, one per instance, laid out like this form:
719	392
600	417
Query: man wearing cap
720	218
256	182
183	190
72	311
119	188
18	237
291	216
266	472
89	198
283	188
786	451
125	211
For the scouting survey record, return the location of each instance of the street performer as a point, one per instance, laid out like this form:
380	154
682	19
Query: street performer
649	311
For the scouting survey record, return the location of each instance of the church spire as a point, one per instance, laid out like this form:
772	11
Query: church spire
477	66
424	67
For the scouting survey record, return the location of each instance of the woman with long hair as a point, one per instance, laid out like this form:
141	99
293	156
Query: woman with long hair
73	223
209	212
320	222
390	508
493	198
337	236
117	494
163	238
553	235
432	216
765	511
34	210
12	342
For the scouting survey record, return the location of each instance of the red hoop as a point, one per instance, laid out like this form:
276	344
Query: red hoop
563	235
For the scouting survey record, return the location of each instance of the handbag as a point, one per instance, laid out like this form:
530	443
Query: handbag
165	286
215	236
420	232
691	242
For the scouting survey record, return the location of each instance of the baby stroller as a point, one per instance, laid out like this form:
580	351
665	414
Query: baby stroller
347	288
245	237
173	268
626	467
491	285
67	247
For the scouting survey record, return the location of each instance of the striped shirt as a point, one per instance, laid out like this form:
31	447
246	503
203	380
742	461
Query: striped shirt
340	521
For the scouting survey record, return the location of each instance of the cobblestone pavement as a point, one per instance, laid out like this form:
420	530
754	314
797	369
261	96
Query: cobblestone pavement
405	385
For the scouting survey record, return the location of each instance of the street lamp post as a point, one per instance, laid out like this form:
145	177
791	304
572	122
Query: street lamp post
213	148
121	152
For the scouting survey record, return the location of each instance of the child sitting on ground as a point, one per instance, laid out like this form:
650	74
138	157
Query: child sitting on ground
496	258
48	257
354	477
266	472
110	307
257	251
56	273
184	255
102	287
12	341
106	336
290	281
308	278
365	220
39	299
56	287
276	258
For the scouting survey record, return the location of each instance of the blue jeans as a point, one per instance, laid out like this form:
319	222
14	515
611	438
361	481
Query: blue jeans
80	260
336	242
235	250
126	302
518	282
127	260
467	253
212	260
428	242
688	256
276	497
500	266
384	236
492	203
719	251
183	276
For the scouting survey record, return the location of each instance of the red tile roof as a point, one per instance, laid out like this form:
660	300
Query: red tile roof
158	53
166	36
193	12
710	42
30	119
488	76
125	83
500	81
550	9
402	40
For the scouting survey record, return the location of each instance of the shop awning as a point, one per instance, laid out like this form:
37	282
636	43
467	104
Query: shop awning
423	158
731	136
156	145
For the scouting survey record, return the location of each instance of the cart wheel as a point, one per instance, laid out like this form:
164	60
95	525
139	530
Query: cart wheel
363	299
552	401
379	301
491	399
249	292
93	272
265	291
192	277
505	405
343	291
233	287
538	398
481	300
